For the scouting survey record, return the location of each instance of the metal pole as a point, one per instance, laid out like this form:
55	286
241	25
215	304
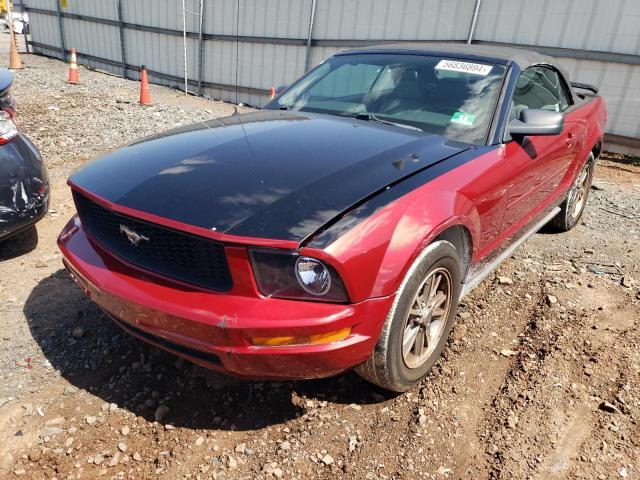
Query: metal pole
184	46
10	18
24	30
200	49
123	50
63	49
474	20
307	60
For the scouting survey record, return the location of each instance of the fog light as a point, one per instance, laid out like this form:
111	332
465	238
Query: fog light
319	339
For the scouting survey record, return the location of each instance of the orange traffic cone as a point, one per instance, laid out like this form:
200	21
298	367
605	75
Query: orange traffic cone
73	68
14	57
272	93
145	97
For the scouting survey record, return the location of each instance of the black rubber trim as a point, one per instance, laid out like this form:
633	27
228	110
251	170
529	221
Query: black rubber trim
175	347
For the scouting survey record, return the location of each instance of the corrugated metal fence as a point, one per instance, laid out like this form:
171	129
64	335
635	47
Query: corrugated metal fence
597	42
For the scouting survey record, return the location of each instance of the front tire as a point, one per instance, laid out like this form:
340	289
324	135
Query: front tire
573	207
419	322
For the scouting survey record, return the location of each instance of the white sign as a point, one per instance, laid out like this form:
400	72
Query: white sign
464	67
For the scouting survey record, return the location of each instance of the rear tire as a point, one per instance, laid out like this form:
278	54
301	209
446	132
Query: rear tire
419	322
573	207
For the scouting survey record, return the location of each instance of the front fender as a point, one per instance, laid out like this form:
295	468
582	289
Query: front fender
374	245
376	253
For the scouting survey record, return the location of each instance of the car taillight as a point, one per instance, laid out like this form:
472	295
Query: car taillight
8	127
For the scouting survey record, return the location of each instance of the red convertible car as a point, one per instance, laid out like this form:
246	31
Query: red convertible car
339	226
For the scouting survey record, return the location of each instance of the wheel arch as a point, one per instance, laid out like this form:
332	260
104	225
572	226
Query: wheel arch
597	149
460	237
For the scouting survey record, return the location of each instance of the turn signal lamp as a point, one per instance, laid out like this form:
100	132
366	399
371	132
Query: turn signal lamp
320	339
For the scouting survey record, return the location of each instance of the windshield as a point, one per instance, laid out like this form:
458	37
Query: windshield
449	97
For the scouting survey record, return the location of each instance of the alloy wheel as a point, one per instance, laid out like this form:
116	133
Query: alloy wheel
427	318
579	192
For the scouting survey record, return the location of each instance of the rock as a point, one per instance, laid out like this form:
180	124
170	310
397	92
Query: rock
232	463
505	281
199	441
51	431
19	471
114	460
35	456
161	412
353	443
491	449
512	420
104	407
122	446
137	457
55	421
508	352
125	430
285	446
551	300
627	282
240	448
113	407
98	459
90	419
327	459
277	472
78	332
41	264
70	390
443	471
608	407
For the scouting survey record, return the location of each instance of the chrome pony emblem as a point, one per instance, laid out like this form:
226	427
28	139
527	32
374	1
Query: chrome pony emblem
133	237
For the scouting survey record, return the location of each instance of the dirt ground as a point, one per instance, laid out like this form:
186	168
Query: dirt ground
540	380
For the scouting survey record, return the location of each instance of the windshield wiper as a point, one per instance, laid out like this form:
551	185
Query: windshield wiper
371	117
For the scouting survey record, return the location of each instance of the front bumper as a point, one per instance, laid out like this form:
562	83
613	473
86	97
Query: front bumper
214	329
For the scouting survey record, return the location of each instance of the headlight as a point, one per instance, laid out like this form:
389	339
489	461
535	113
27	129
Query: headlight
285	274
313	275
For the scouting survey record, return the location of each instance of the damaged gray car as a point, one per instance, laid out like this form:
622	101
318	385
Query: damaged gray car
24	185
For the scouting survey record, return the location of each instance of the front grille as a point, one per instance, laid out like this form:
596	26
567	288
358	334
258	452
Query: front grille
171	253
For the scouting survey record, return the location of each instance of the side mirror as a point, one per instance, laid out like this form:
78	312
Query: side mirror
281	88
537	122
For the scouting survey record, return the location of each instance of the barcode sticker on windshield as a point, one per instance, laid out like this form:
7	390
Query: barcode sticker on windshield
465	67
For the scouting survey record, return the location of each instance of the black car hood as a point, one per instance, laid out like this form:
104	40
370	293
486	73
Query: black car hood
269	174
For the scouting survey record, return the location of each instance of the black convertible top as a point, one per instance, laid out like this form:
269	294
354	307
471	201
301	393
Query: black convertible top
524	58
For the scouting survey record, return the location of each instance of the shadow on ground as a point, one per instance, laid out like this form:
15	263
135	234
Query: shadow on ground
94	354
19	244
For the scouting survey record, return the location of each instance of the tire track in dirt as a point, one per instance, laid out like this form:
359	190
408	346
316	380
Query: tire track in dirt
555	389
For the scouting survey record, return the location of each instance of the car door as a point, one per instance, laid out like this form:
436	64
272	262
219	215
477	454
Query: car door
537	163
